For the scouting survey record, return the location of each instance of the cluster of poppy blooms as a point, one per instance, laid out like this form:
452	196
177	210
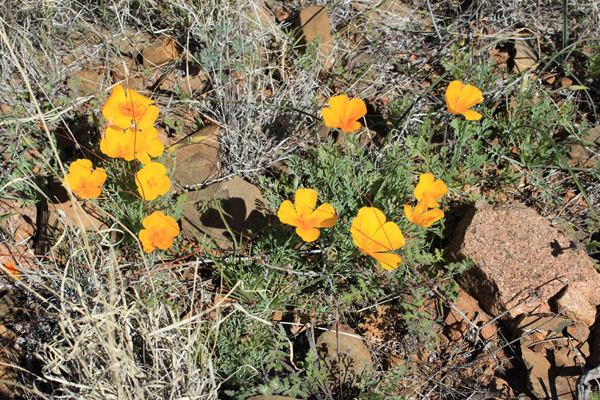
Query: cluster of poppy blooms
371	233
131	136
344	113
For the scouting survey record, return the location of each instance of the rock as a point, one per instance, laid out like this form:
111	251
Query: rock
578	152
127	74
456	326
345	355
60	211
553	365
18	232
5	109
524	264
525	57
89	81
314	27
21	226
501	389
392	13
89	35
263	15
241	204
595	347
537	368
197	162
545	322
584	349
132	42
192	84
160	52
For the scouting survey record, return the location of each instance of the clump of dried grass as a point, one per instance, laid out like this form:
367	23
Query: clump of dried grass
116	335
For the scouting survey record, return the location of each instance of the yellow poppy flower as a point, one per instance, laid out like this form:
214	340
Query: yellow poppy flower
304	218
420	216
122	109
373	236
148	145
132	143
152	182
459	98
118	143
429	190
82	180
160	230
343	113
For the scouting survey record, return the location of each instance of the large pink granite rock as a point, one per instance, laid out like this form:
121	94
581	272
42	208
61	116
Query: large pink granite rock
524	265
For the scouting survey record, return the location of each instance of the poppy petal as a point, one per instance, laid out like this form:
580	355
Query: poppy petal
437	189
331	119
307	233
155	148
425	180
350	126
98	177
408	213
453	91
143	157
367	222
170	225
420	208
305	201
147	244
322	217
81	166
150	134
388	238
339	105
287	214
111	109
388	261
155	169
471	115
469	96
164	241
89	192
431	216
356	109
164	184
137	98
148	118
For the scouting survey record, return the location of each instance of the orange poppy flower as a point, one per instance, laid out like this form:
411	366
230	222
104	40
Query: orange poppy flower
459	98
148	145
429	190
122	109
82	180
118	143
304	218
160	230
12	269
132	143
152	182
373	236
343	113
420	216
